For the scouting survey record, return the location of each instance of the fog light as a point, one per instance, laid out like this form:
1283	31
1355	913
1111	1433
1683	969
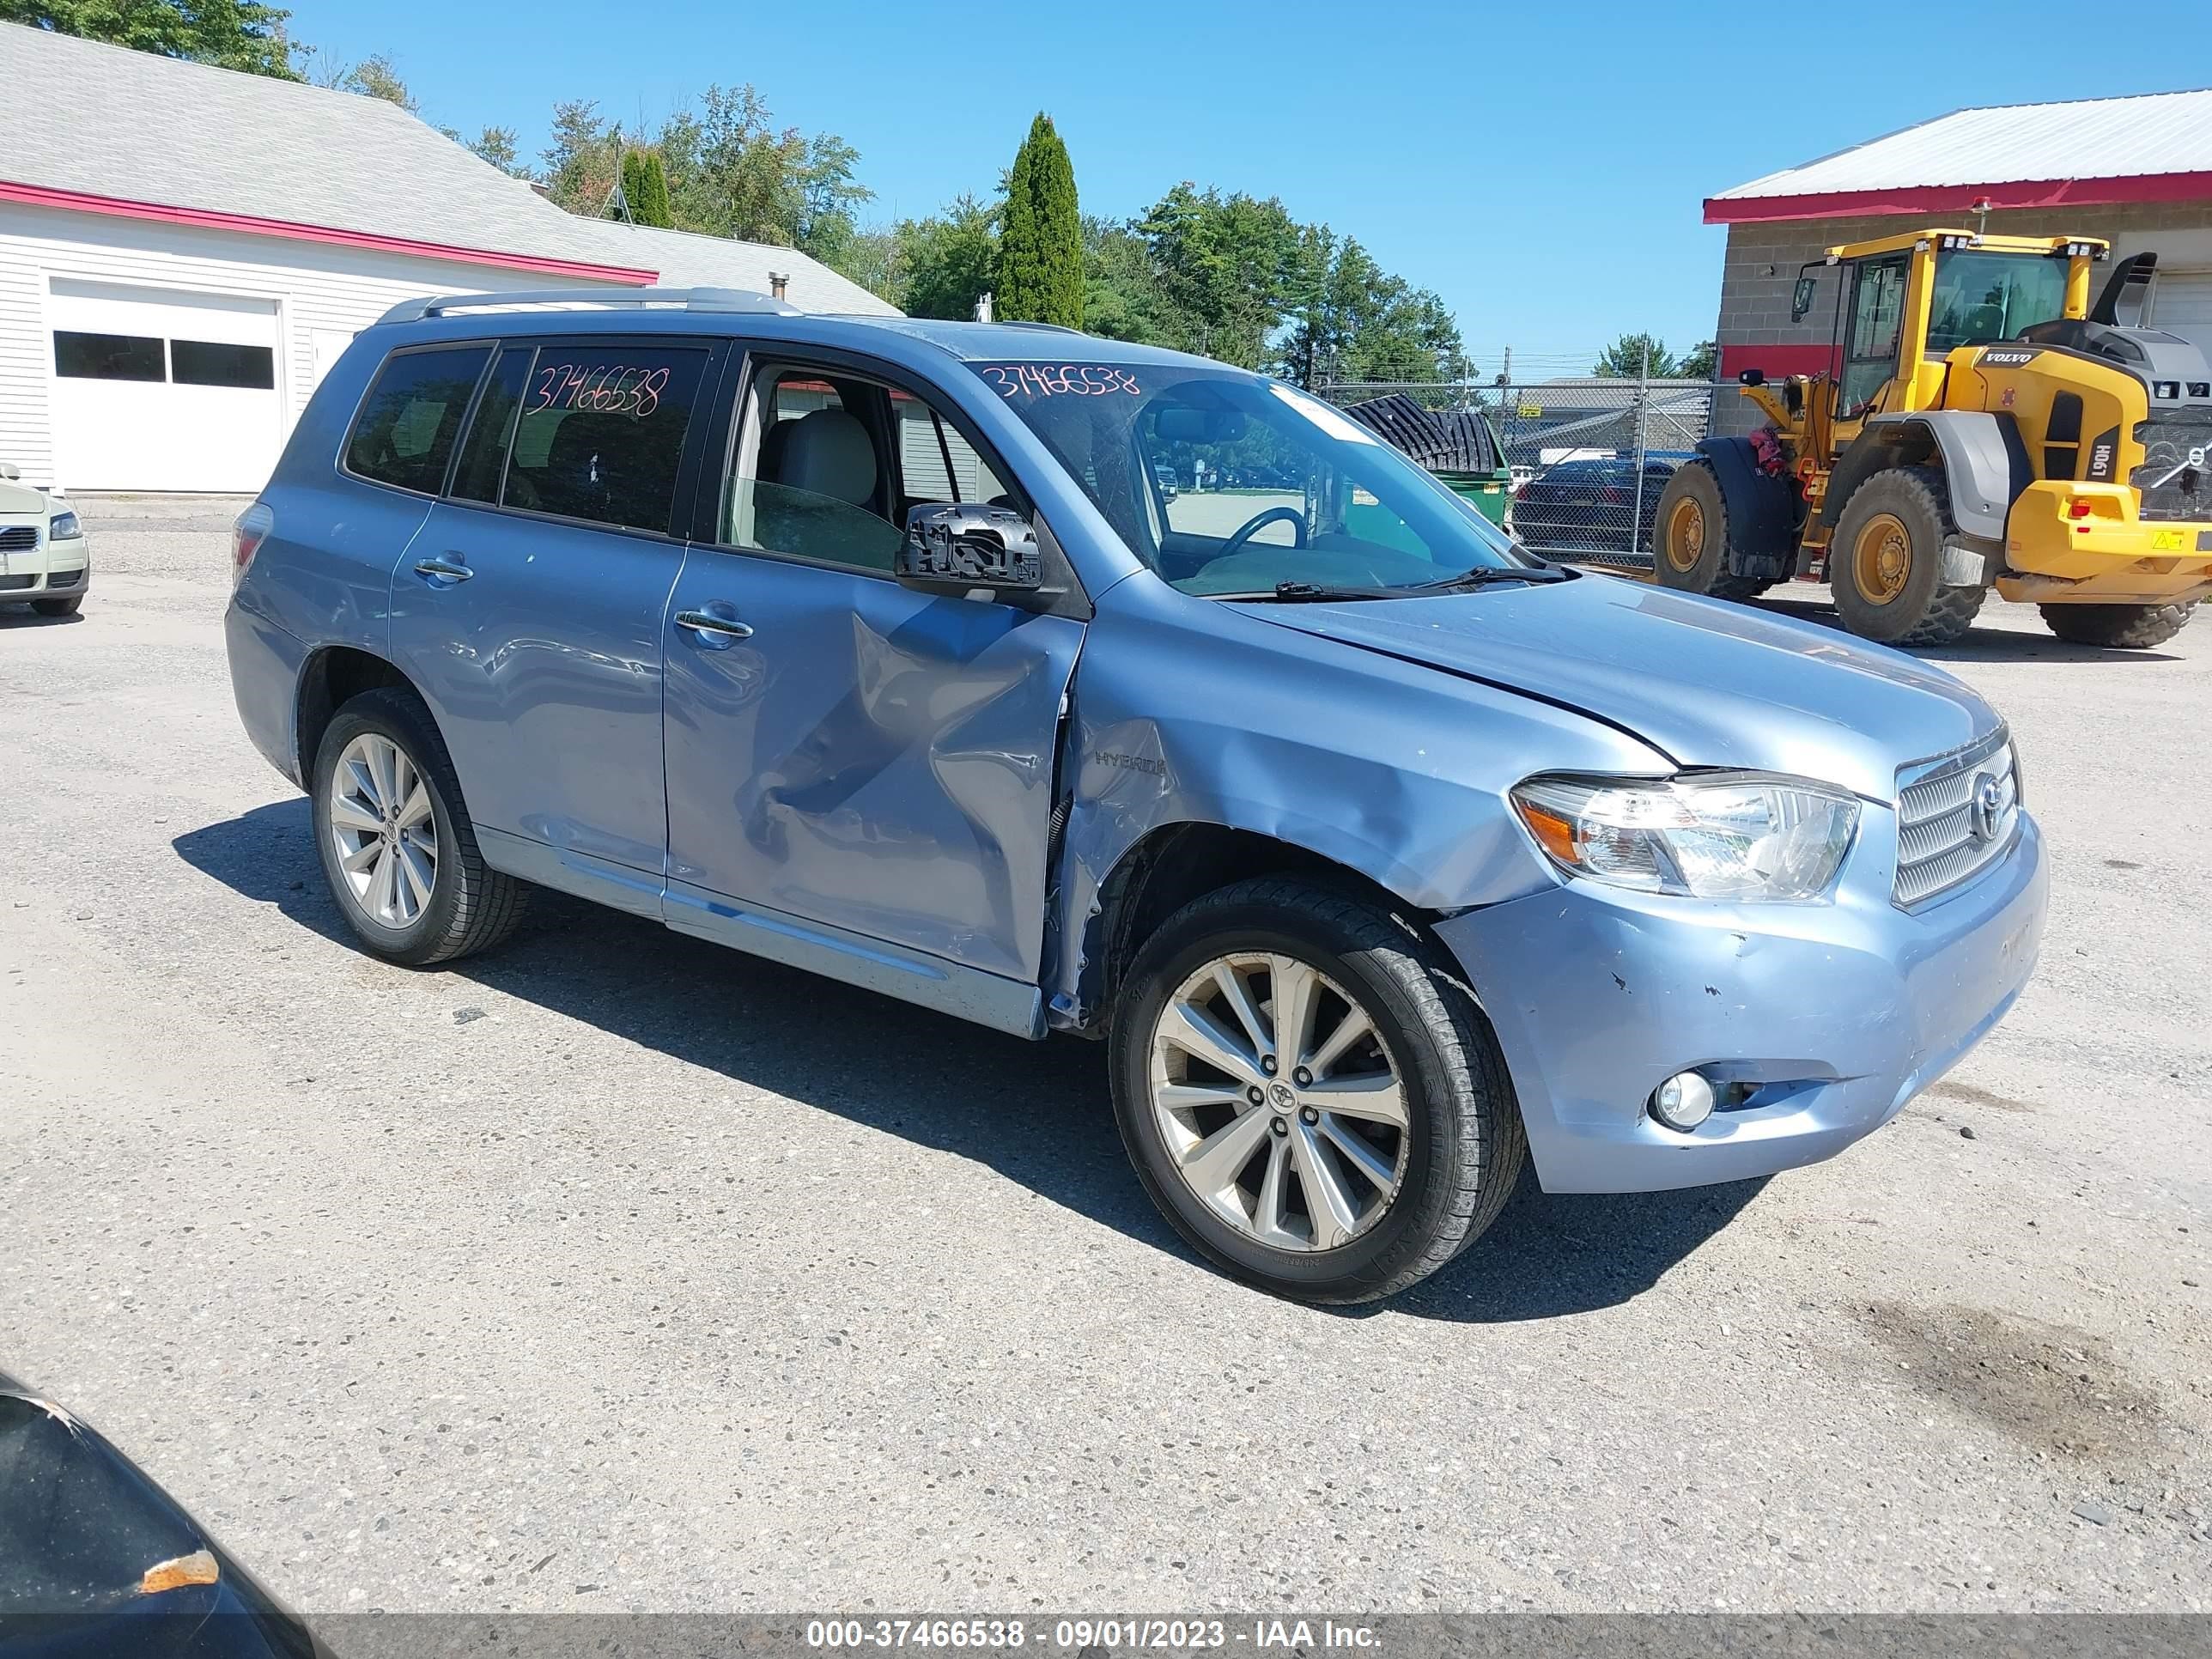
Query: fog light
1683	1101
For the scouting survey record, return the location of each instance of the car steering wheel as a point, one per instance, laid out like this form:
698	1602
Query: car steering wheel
1259	521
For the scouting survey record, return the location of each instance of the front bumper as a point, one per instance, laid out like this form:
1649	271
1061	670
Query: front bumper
1836	1014
51	570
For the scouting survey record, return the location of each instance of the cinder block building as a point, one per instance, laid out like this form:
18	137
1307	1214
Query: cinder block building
2135	171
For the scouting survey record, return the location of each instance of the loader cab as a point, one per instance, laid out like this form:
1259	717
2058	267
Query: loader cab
1901	305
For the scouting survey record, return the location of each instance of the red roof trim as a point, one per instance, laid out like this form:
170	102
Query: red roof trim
1957	198
206	219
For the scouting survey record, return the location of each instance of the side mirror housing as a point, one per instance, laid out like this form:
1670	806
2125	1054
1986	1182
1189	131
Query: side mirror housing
957	549
1800	299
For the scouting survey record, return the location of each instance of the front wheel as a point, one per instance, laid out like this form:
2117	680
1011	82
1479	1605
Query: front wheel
1309	1094
67	607
2121	626
1690	537
396	843
1886	562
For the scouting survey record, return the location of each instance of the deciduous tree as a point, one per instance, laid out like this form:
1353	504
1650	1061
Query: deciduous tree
238	34
1626	358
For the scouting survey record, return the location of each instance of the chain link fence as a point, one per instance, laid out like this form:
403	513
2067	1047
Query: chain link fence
1587	455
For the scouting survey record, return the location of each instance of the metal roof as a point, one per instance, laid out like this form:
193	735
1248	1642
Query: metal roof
2157	146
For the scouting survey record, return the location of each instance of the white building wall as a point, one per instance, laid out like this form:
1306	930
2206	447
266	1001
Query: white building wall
324	294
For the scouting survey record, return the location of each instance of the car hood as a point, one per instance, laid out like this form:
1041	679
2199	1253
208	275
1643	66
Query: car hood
1709	684
17	498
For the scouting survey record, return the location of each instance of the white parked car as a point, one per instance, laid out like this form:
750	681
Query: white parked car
45	560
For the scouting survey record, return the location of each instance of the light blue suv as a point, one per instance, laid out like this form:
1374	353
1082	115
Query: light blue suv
1381	855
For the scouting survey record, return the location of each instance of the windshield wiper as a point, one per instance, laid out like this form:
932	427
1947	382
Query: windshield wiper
1315	593
1484	574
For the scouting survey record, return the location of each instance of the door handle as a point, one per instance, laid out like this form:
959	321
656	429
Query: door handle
451	569
706	622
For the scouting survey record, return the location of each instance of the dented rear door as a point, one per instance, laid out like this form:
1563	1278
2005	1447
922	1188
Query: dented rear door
844	751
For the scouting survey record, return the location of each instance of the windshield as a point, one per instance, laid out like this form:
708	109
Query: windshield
1229	484
1982	298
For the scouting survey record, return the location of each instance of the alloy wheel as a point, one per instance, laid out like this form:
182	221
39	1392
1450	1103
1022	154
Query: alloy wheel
384	830
1280	1105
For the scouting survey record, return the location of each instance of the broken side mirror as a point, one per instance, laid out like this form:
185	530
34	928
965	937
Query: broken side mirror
958	548
1800	299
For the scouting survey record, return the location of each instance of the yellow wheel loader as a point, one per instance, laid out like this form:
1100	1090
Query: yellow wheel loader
1982	425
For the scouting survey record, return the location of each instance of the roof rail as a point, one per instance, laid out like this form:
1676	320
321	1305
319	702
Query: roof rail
690	299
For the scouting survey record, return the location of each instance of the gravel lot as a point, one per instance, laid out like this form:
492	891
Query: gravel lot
614	1271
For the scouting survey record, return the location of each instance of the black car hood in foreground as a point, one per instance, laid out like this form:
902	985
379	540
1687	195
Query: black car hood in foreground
95	1559
1711	684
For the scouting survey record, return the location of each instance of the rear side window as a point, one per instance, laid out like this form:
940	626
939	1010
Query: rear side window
491	430
404	433
599	432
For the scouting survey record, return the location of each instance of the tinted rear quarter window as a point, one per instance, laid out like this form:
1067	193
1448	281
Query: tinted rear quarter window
599	434
404	433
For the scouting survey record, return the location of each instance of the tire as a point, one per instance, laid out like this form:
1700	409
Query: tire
470	907
1457	1156
2123	627
67	607
1690	537
1912	606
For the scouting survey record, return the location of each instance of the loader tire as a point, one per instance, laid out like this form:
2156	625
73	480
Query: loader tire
1886	562
1690	537
2122	627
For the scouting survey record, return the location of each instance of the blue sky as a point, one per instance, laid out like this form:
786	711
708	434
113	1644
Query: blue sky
1542	167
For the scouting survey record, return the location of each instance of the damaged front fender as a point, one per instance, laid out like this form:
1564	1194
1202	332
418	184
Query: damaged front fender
1189	711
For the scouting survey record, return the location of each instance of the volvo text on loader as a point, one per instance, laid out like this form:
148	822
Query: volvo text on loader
1983	427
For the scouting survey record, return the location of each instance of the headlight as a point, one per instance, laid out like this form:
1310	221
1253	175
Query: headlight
62	527
1717	835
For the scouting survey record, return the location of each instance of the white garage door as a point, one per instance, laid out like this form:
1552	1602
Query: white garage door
2181	303
160	389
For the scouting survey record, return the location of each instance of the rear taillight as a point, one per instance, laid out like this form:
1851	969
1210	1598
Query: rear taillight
246	536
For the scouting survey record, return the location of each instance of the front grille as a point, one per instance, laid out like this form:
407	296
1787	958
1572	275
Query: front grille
2174	479
1956	815
18	538
8	584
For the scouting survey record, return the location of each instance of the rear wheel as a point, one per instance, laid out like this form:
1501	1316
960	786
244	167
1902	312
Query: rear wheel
1886	562
1690	537
2123	627
396	843
1309	1094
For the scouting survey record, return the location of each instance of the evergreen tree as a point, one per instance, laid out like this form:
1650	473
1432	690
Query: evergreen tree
645	187
1040	275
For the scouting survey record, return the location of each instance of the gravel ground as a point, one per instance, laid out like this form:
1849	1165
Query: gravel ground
614	1271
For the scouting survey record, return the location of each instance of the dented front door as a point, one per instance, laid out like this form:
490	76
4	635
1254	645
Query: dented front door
844	751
